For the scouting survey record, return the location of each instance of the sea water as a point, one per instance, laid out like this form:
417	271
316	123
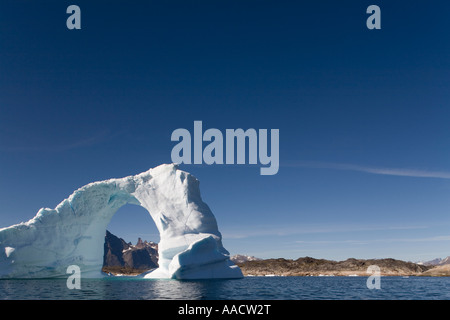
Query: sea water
248	288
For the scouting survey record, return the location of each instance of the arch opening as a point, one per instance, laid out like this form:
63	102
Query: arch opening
131	242
132	221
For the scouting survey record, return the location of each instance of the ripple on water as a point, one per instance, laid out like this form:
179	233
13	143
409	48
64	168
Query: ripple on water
249	288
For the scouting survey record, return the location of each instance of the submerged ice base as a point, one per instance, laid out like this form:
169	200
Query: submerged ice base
73	233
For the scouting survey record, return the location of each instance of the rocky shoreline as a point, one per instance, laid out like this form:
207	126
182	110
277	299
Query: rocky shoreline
308	266
122	258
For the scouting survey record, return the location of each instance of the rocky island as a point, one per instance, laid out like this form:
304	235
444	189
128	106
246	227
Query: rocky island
308	266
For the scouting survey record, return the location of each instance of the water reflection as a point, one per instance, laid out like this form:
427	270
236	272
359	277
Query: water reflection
184	290
151	289
255	288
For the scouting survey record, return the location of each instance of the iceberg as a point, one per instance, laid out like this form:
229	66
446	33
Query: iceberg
73	233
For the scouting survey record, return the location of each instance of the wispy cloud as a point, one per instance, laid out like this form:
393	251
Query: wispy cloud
331	242
404	172
381	240
292	230
94	139
436	238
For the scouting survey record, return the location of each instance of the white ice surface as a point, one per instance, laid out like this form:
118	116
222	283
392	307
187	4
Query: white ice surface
73	233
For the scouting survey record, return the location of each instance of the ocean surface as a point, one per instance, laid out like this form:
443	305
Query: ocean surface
248	288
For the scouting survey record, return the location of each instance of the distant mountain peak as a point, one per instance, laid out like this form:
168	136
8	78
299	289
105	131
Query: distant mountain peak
240	258
120	254
445	260
436	262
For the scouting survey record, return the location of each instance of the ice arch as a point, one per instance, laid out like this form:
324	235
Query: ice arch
73	233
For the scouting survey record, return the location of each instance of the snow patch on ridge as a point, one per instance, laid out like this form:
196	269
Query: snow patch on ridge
8	251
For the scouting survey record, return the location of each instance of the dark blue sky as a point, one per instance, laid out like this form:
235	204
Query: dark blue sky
78	106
